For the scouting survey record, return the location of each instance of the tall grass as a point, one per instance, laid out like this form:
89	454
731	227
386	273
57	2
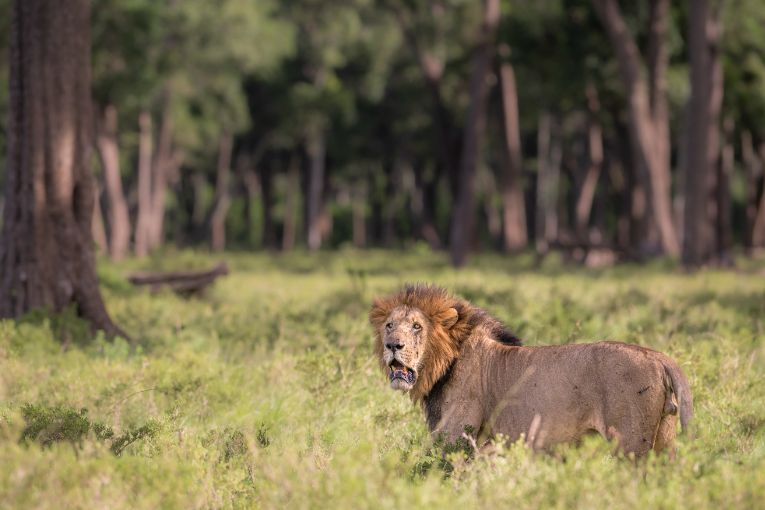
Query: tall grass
264	392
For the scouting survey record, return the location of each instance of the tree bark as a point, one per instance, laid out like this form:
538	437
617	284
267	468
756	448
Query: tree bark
425	207
108	150
758	227
222	193
649	129
251	181
753	170
315	147
724	224
164	165
595	151
98	229
432	68
359	196
144	185
514	232
549	157
463	215
289	232
46	252
266	183
702	150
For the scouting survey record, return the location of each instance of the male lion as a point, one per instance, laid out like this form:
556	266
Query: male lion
470	374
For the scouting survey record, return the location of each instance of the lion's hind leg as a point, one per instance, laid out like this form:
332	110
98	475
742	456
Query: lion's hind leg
665	435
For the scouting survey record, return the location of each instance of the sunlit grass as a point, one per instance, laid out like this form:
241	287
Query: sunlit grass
264	393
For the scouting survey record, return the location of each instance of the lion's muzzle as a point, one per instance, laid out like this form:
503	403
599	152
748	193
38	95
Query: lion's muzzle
401	377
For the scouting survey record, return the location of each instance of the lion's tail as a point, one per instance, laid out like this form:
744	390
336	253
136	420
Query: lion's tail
682	390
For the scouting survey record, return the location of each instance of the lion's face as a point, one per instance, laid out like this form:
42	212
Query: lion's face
404	337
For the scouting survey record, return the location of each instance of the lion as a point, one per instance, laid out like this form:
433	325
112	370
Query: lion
474	379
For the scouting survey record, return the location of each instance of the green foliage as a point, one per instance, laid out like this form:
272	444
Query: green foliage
48	425
265	392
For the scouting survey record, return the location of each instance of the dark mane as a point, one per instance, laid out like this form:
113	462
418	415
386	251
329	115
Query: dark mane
506	337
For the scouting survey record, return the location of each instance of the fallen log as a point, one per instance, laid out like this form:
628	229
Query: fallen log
185	283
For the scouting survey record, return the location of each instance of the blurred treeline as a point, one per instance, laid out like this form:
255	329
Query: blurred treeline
553	124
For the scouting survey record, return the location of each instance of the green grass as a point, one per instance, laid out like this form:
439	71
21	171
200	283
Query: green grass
264	393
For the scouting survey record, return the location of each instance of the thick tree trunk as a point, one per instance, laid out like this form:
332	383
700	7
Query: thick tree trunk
145	150
513	205
463	215
595	152
649	129
291	213
46	252
315	147
108	150
222	193
269	232
702	151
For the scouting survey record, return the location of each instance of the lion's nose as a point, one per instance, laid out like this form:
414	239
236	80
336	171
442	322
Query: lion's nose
393	346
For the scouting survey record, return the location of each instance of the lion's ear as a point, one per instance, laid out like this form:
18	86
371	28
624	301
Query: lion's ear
449	318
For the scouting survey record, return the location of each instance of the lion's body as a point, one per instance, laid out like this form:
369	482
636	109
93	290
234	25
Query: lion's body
468	380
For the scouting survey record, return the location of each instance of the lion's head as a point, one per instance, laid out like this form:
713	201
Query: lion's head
418	332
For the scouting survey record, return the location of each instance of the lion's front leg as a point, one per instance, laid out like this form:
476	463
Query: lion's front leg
459	423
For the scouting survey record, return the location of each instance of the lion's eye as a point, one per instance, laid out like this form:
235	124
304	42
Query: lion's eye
417	326
389	325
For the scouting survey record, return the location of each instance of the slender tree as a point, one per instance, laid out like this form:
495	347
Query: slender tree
513	204
46	245
108	150
463	215
647	105
222	193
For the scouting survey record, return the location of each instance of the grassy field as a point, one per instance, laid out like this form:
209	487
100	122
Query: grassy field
264	393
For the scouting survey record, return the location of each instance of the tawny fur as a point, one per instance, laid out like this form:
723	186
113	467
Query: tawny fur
467	379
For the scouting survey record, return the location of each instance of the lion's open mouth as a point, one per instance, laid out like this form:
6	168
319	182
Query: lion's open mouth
399	371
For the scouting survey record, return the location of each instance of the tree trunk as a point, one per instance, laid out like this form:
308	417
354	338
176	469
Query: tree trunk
289	232
144	185
222	193
425	207
753	169
98	229
163	165
463	215
595	149
724	225
649	129
359	197
758	228
548	174
46	252
513	206
108	150
702	151
266	182
315	147
432	68
252	186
